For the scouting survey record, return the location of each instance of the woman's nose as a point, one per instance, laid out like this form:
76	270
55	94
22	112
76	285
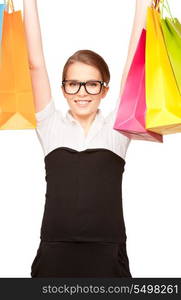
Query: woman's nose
82	90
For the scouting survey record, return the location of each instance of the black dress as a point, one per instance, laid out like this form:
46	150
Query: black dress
83	231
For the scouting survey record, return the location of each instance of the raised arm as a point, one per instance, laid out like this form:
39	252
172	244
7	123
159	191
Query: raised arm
138	24
39	76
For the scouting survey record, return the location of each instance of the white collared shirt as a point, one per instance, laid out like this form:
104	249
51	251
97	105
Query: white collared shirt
56	130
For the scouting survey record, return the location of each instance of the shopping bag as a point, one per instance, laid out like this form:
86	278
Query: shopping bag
2	6
17	110
130	118
178	26
172	37
163	99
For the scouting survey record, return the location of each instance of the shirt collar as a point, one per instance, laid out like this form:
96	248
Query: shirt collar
98	117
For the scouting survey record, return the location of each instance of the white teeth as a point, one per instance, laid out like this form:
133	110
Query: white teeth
82	101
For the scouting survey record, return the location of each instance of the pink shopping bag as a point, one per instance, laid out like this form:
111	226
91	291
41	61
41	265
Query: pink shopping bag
130	118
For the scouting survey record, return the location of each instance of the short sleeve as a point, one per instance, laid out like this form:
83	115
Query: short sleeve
48	110
46	125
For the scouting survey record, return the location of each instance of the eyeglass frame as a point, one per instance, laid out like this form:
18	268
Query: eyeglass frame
84	84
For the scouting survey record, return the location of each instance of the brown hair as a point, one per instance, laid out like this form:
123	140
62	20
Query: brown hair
90	58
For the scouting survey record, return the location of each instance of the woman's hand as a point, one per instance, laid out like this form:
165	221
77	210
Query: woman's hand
140	14
139	23
39	76
33	33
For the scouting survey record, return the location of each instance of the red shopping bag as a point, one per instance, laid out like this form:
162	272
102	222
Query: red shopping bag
130	118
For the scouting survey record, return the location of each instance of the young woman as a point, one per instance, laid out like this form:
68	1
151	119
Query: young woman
83	232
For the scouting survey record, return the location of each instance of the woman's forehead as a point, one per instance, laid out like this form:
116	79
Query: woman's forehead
82	72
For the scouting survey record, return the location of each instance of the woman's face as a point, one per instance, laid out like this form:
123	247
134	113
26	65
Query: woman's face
83	72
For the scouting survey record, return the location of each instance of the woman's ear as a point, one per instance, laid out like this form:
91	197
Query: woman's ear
105	90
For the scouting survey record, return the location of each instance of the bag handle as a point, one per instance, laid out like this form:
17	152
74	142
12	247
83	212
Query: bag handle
164	5
9	5
167	7
156	4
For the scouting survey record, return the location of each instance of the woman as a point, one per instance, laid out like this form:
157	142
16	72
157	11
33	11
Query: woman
83	232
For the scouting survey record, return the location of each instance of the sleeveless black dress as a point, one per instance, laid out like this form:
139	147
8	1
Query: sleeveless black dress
83	231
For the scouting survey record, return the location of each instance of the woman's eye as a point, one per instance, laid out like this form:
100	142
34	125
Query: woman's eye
73	83
92	83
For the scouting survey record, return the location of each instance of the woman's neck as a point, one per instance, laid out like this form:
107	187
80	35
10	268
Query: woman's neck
84	120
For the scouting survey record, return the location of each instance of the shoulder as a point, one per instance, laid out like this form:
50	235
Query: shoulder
49	112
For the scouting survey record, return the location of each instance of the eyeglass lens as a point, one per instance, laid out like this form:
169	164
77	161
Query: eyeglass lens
93	87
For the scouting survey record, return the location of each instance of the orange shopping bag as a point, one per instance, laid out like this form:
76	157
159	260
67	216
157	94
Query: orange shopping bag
17	110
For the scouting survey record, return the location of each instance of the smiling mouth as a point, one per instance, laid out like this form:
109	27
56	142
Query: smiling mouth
82	101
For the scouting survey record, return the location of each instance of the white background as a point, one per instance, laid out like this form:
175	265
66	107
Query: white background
151	183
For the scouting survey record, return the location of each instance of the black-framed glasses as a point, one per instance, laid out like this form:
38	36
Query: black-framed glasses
92	87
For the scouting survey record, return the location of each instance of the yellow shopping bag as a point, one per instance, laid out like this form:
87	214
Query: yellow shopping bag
163	100
17	110
172	36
